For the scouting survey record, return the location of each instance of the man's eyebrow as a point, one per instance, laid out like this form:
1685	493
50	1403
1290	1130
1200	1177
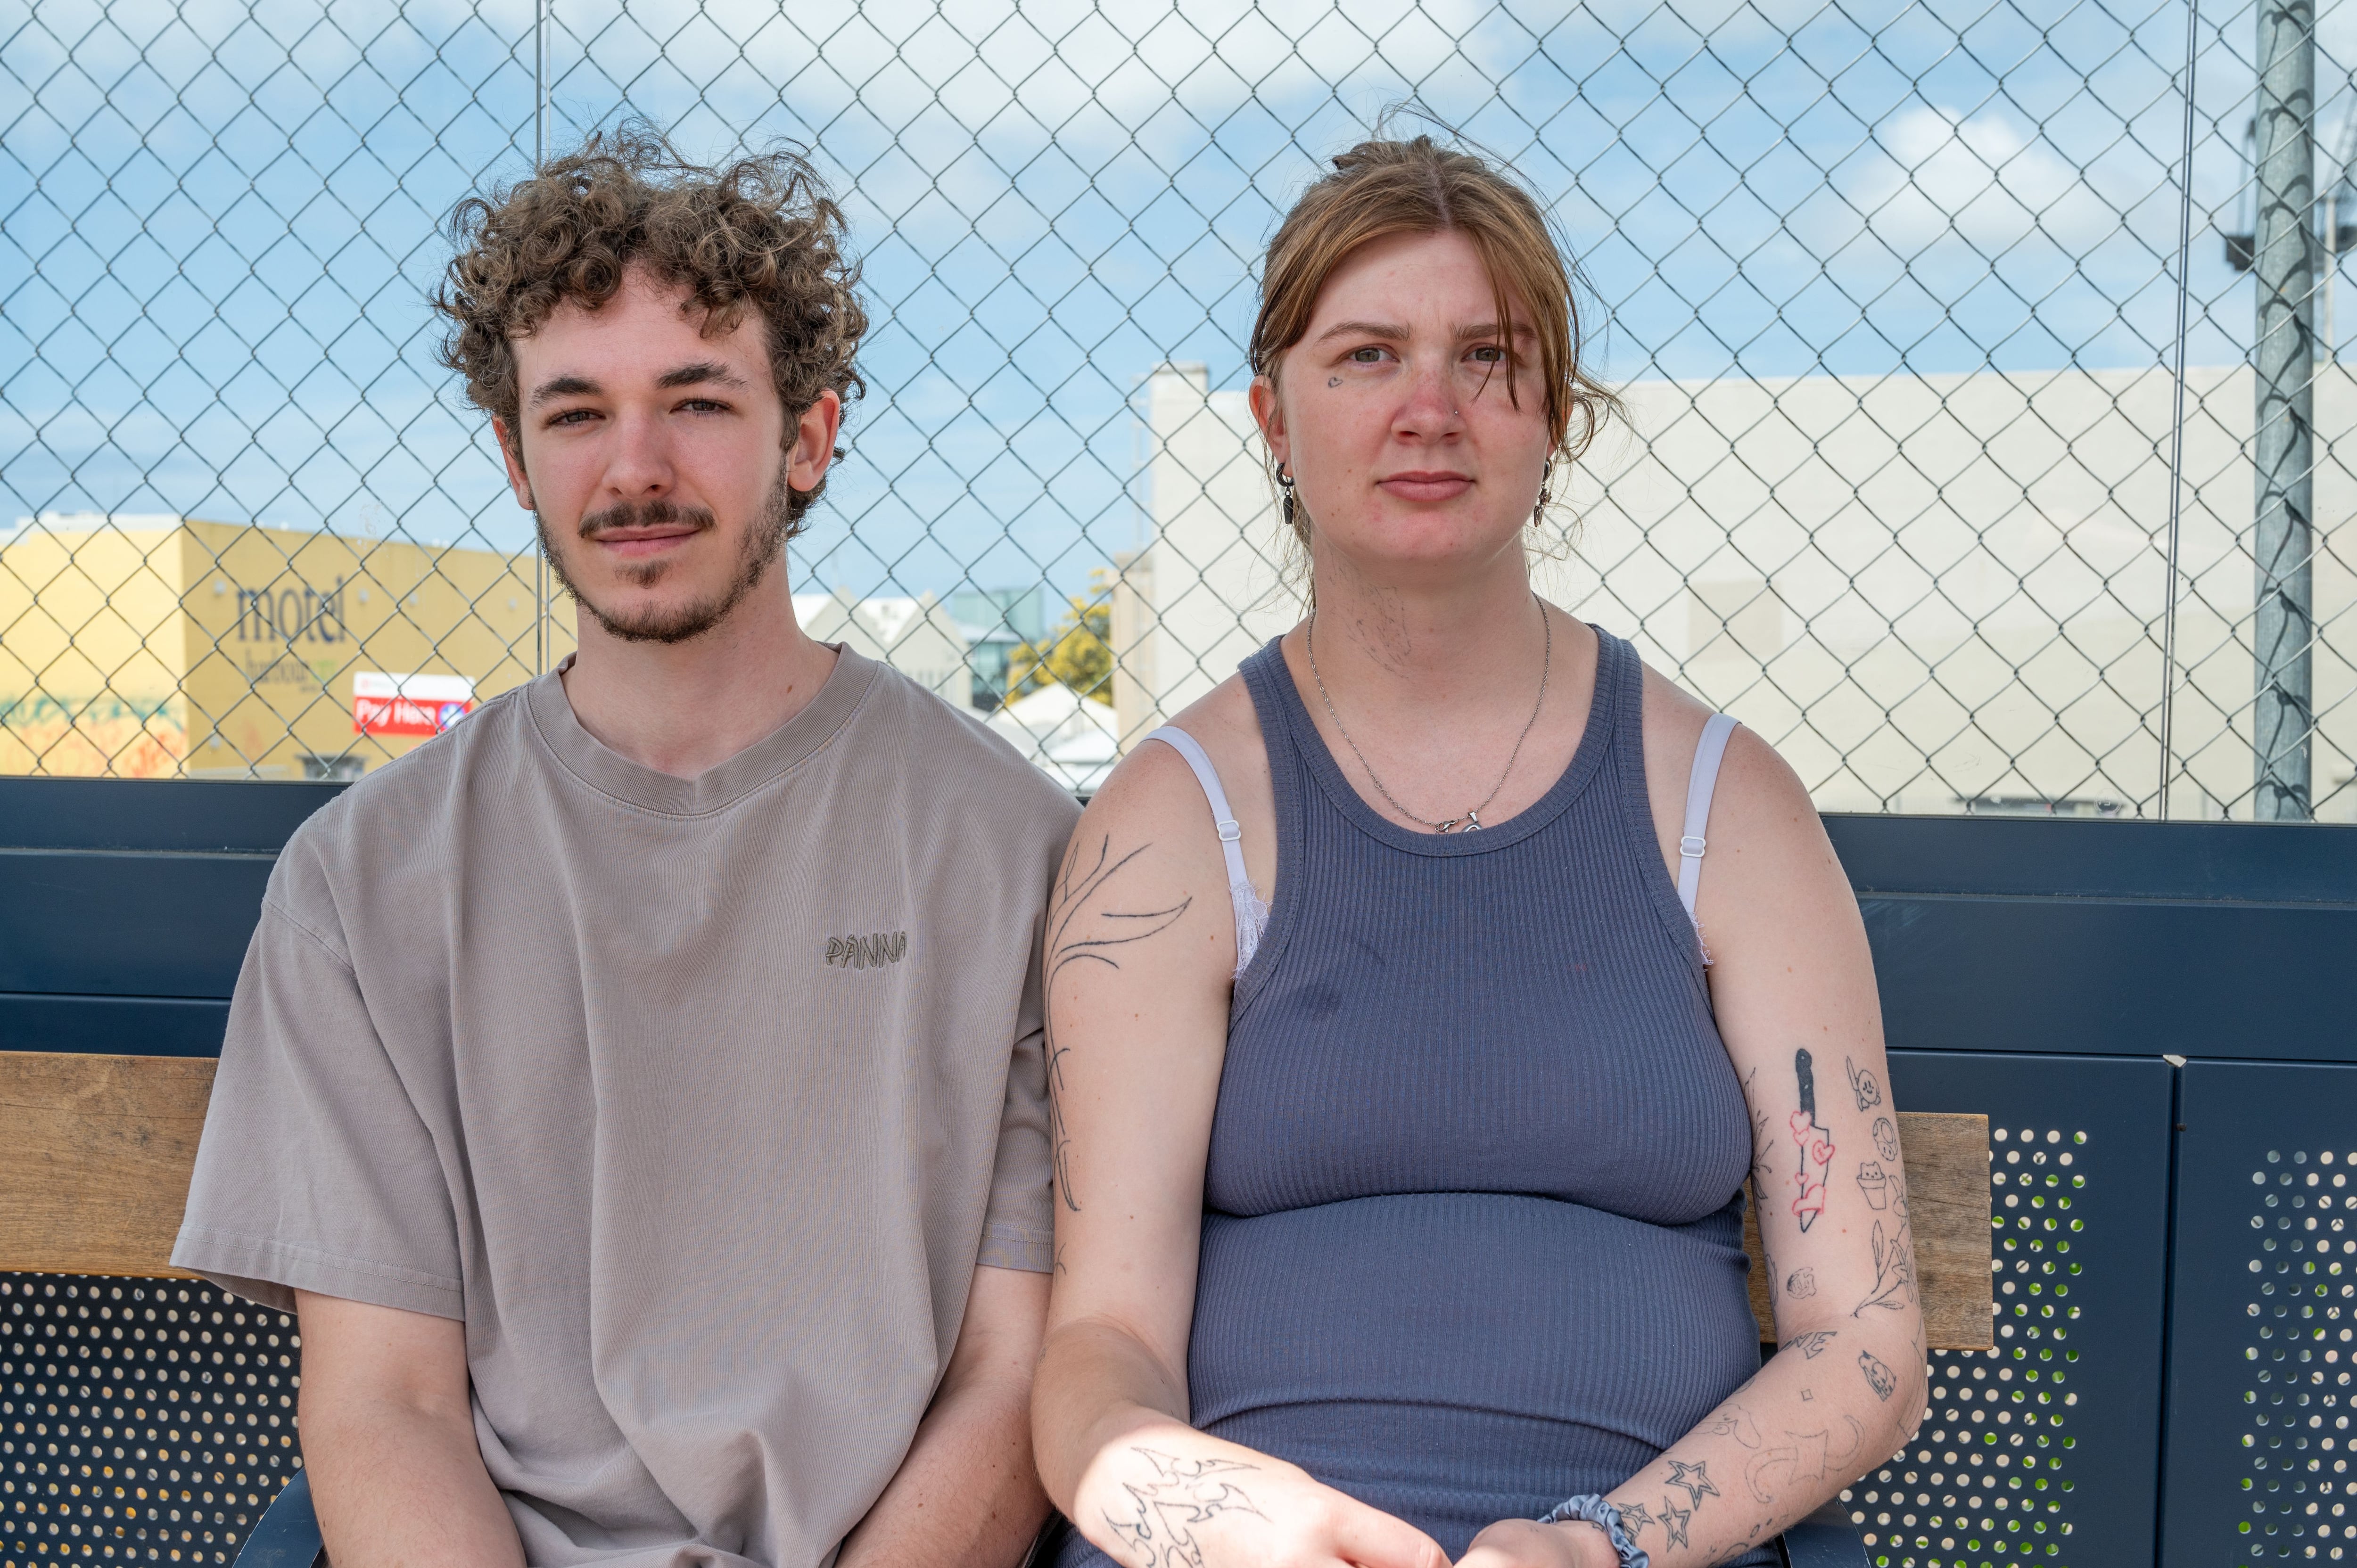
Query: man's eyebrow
562	386
698	373
1363	329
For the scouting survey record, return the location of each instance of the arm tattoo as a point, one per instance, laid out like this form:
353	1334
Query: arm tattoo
1084	929
1802	1284
1816	1146
1812	1344
1695	1479
1674	1521
1184	1493
1880	1378
1805	1459
1634	1518
1894	1272
1862	1085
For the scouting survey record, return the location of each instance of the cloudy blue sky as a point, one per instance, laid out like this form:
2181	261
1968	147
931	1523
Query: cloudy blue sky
218	220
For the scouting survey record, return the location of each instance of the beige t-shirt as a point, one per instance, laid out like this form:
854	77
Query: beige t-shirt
698	1101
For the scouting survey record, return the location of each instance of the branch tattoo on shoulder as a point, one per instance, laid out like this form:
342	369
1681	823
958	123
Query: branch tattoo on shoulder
1160	1532
1084	928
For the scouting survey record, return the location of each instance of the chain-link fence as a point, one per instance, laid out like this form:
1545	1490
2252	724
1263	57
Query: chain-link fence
1942	474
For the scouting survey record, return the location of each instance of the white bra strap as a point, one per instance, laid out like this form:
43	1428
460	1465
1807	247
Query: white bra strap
1709	752
1231	834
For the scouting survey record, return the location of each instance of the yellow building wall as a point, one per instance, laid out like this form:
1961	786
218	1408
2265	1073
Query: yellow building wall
217	650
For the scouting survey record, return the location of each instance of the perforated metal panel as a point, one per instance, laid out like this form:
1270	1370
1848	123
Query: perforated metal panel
2265	1321
2041	1451
1988	1476
2300	1350
141	1421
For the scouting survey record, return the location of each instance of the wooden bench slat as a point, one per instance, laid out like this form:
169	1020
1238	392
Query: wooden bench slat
1948	1212
97	1155
99	1150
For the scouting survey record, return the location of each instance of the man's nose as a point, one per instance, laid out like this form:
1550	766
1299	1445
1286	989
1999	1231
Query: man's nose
640	465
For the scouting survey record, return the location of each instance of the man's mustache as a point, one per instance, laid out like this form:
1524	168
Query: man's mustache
646	514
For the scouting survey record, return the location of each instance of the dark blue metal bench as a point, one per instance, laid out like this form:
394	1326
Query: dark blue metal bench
2167	1004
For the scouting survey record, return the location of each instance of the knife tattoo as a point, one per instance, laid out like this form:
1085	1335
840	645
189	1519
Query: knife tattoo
1816	1146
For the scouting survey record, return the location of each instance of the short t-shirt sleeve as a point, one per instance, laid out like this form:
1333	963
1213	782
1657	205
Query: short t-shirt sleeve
1018	1231
315	1171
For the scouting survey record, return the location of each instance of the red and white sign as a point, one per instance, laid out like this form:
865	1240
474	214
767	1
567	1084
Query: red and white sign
409	705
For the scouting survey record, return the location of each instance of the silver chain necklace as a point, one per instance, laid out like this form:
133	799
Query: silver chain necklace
1472	816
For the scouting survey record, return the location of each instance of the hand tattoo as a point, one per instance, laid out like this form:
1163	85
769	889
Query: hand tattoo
1081	930
1186	1493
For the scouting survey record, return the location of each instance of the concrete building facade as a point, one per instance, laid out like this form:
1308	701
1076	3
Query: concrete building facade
1932	593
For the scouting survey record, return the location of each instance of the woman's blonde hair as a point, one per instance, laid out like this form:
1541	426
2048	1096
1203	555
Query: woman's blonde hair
1383	187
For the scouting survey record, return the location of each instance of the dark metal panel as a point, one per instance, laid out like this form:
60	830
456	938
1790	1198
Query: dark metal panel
2058	857
186	815
113	1026
2044	1450
2110	975
141	1421
2263	1333
119	923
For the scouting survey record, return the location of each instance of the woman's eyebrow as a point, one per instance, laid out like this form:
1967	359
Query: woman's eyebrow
1489	330
1363	329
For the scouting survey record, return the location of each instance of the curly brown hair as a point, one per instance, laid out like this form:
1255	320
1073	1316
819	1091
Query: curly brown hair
763	233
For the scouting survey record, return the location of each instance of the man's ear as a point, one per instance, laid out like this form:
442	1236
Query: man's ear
813	447
512	449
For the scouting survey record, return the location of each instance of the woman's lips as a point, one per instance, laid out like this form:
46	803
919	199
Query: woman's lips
1421	485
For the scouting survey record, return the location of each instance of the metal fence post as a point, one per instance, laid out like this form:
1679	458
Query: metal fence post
2283	441
2177	418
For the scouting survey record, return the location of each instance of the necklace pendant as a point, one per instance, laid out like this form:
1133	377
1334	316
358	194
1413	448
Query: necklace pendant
1469	822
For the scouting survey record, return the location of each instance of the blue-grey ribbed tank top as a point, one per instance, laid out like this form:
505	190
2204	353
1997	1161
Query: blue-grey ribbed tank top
1473	1236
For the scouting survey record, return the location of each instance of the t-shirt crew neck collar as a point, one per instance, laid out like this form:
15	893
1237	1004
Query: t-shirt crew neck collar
716	789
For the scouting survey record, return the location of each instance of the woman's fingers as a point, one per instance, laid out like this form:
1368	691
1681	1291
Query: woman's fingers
1370	1538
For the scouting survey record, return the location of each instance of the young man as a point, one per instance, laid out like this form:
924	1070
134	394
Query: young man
636	1089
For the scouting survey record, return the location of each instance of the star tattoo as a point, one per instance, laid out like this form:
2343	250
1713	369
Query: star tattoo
1695	1479
1674	1521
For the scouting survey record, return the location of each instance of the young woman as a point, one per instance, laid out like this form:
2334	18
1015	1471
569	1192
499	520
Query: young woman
1399	1216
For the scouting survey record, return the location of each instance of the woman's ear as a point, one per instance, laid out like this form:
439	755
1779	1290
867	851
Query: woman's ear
1269	412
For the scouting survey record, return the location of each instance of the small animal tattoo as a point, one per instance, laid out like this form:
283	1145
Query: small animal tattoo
1862	1085
1880	1378
1886	1138
1802	1284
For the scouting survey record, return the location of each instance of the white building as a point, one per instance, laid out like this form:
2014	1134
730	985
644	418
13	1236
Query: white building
916	637
1929	592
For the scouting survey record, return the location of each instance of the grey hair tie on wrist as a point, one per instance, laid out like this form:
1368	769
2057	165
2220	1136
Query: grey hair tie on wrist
1595	1510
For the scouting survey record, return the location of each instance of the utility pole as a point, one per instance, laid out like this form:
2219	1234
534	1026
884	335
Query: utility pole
2284	436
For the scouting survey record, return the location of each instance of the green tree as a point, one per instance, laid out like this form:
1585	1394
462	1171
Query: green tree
1077	651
